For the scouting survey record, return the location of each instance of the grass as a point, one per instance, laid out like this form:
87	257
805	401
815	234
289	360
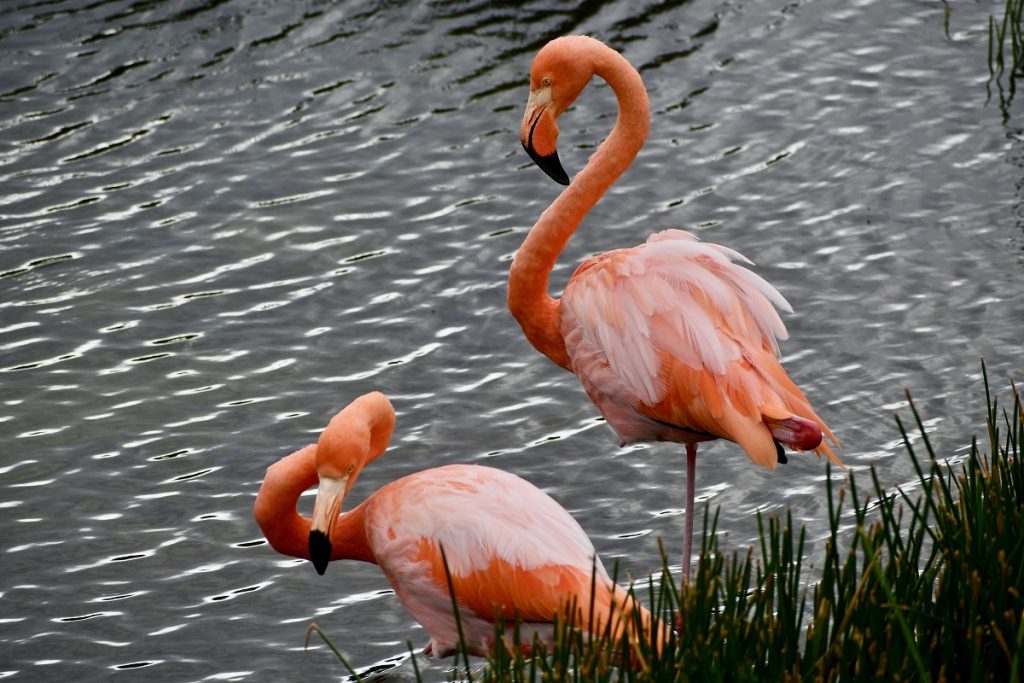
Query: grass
1005	53
928	586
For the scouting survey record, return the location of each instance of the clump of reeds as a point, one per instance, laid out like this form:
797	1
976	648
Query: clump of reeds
929	586
1006	53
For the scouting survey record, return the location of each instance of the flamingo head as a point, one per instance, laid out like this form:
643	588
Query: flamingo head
559	73
341	453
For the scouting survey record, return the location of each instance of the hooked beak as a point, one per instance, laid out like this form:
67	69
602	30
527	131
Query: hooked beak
539	132
326	509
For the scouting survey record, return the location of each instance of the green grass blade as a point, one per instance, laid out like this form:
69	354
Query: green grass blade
314	627
458	617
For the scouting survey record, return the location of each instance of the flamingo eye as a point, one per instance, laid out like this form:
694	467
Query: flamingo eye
546	81
351	468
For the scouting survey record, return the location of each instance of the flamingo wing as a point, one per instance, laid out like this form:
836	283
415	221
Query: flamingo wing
512	551
676	340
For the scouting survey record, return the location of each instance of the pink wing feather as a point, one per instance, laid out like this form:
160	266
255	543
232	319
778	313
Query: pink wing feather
676	340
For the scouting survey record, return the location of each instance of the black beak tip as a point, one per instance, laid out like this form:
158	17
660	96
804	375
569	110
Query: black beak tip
550	164
558	175
319	551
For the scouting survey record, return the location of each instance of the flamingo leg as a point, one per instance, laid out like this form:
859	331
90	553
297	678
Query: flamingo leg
691	475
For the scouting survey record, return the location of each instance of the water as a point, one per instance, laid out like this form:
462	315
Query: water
223	220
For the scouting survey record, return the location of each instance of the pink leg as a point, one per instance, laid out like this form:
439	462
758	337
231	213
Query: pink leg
691	474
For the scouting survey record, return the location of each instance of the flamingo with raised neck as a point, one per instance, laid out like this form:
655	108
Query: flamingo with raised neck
673	340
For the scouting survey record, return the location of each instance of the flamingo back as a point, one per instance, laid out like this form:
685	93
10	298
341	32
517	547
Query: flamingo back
676	340
512	552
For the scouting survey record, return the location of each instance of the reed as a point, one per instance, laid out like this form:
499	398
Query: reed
1005	54
929	586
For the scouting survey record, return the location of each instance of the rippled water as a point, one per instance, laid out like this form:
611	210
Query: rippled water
222	220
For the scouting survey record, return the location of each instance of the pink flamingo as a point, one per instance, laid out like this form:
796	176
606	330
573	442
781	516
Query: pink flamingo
673	340
513	553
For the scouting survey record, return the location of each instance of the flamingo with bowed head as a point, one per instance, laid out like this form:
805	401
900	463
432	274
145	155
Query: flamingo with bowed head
673	340
513	553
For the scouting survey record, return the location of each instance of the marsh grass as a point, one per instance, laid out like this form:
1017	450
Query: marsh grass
928	586
1005	54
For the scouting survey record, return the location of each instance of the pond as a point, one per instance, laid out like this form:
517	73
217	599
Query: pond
222	220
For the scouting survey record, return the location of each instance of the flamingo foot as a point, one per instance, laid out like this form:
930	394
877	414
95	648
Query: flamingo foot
798	433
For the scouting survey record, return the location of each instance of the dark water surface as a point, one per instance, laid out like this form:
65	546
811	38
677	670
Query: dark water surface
221	220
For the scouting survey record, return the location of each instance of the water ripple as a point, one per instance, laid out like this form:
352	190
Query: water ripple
222	220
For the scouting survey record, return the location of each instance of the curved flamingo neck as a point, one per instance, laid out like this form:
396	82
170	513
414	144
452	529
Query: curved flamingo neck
528	298
287	530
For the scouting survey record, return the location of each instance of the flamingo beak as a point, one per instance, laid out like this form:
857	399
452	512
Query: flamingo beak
326	509
539	133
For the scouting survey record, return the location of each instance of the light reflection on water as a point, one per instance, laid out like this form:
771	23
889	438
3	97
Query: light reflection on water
220	222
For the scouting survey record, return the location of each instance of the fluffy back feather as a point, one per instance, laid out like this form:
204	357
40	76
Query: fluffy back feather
478	513
678	296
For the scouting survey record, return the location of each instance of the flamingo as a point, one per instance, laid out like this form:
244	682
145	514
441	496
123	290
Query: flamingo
513	553
673	340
